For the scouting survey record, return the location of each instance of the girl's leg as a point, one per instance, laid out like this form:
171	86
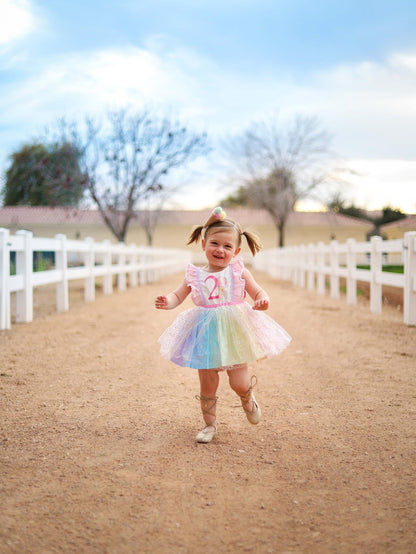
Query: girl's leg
239	379
240	383
209	380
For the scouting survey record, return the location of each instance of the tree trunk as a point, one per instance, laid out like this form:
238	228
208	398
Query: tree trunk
149	235
281	234
280	228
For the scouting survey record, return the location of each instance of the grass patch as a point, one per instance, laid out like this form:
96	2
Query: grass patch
42	261
343	289
386	268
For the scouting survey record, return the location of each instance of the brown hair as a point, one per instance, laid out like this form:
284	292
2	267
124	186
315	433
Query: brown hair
253	240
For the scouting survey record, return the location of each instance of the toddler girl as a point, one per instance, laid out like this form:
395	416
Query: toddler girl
223	332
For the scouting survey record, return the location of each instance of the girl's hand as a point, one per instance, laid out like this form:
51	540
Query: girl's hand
173	299
261	304
161	302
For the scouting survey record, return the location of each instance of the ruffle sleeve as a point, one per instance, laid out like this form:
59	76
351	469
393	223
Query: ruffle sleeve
239	282
191	280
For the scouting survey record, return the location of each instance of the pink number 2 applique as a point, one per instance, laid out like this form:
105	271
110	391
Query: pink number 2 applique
214	288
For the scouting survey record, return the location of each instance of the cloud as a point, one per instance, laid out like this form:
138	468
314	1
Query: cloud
369	107
91	83
383	182
17	20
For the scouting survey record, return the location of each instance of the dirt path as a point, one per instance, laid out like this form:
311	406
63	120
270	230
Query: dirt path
97	436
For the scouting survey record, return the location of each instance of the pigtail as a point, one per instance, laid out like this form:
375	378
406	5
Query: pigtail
253	242
196	235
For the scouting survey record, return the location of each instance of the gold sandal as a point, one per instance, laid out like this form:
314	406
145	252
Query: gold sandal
254	416
208	432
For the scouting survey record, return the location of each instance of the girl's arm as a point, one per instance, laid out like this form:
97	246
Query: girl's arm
259	295
173	299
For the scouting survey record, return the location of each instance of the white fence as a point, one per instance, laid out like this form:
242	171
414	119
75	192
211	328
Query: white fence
76	260
314	265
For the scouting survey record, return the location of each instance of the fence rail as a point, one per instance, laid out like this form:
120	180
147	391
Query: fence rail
76	259
314	265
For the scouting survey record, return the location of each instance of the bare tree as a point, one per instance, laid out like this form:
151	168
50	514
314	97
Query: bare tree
126	161
276	166
276	194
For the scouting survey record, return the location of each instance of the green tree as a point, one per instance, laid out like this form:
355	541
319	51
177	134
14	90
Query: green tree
388	214
44	175
339	205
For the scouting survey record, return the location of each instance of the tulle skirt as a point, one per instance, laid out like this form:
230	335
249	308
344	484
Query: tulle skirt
222	337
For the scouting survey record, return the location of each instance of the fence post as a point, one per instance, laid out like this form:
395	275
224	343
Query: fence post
409	291
302	266
5	320
286	264
121	261
294	273
334	280
142	272
151	273
320	279
24	267
108	260
376	267
311	262
89	261
133	277
295	266
351	272
61	263
291	269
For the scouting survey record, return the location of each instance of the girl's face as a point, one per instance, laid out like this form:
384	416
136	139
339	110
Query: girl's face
220	247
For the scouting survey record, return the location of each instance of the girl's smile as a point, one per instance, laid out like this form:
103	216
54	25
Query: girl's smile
220	248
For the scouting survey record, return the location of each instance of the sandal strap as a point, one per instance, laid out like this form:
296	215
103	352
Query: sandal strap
205	409
246	397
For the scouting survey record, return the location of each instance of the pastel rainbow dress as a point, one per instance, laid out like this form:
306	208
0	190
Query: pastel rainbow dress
222	331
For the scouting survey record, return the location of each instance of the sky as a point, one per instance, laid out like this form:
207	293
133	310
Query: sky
220	66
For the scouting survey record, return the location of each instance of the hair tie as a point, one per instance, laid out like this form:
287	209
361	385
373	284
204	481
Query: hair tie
217	214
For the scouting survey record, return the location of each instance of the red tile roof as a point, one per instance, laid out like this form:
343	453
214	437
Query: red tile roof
15	215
